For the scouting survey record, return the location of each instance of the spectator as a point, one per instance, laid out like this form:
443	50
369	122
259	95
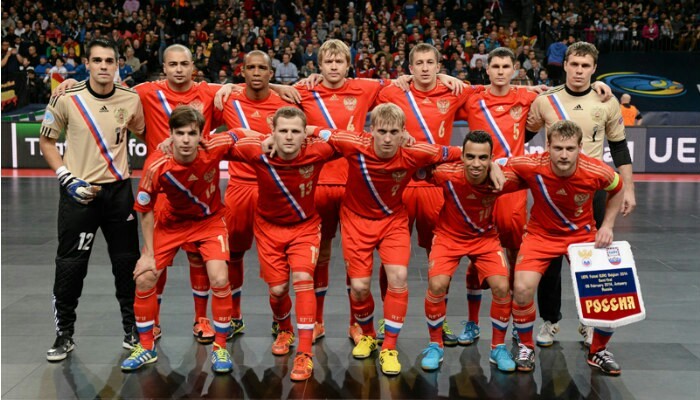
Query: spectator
43	68
459	67
619	37
125	71
477	75
223	78
309	55
534	72
287	72
131	6
555	60
308	69
635	42
630	114
522	79
650	34
81	72
667	35
481	55
543	78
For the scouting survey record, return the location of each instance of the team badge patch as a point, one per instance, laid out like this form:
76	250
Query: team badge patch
350	103
398	175
585	257
143	198
614	255
120	115
597	114
209	176
48	117
306	171
516	112
581	198
197	105
443	106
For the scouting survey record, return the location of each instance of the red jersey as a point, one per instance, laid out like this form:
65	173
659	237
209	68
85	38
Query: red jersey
286	187
468	209
241	112
192	190
159	101
562	205
343	108
375	185
429	115
504	117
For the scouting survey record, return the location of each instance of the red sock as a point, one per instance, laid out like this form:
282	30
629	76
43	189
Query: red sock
320	287
281	308
500	317
200	286
235	276
383	282
305	310
145	306
435	308
523	320
395	307
601	337
473	294
221	313
363	310
160	288
353	321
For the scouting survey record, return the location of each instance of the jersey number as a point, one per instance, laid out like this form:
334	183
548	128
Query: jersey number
305	188
210	190
484	213
223	241
85	240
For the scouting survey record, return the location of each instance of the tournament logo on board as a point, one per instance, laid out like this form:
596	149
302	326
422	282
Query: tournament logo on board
614	255
607	294
643	85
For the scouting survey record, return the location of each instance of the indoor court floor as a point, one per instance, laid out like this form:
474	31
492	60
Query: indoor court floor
660	356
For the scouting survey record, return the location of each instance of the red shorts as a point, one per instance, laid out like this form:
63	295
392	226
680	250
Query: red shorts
241	201
159	209
282	248
510	214
328	199
485	253
423	204
538	249
360	236
209	237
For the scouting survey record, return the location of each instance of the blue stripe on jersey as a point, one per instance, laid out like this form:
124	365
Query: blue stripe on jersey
462	211
550	202
495	128
190	195
559	107
324	110
99	136
419	117
295	205
372	189
241	116
164	103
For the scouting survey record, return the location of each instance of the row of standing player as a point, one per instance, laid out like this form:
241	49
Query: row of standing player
335	90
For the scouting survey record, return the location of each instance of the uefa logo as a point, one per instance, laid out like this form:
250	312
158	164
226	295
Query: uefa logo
643	85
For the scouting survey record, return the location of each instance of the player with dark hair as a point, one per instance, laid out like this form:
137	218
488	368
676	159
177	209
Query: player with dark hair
563	182
466	227
188	180
576	101
95	188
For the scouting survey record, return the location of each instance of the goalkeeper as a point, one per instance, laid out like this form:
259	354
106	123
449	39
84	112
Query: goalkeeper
95	189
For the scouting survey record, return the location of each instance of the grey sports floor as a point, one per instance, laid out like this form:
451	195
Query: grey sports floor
660	356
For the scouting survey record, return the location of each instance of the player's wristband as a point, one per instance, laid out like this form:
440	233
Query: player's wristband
62	170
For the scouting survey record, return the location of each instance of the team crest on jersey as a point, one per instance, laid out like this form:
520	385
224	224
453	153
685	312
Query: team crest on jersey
585	257
209	176
350	103
597	114
487	201
197	105
398	175
269	121
306	171
581	198
120	115
614	255
516	112
443	106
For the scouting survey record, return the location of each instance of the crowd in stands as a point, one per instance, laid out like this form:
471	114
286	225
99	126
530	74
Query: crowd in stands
40	38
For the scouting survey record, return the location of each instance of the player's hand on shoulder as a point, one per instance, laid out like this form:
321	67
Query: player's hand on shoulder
403	82
604	237
289	94
604	91
166	146
452	83
311	81
222	95
497	177
63	87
